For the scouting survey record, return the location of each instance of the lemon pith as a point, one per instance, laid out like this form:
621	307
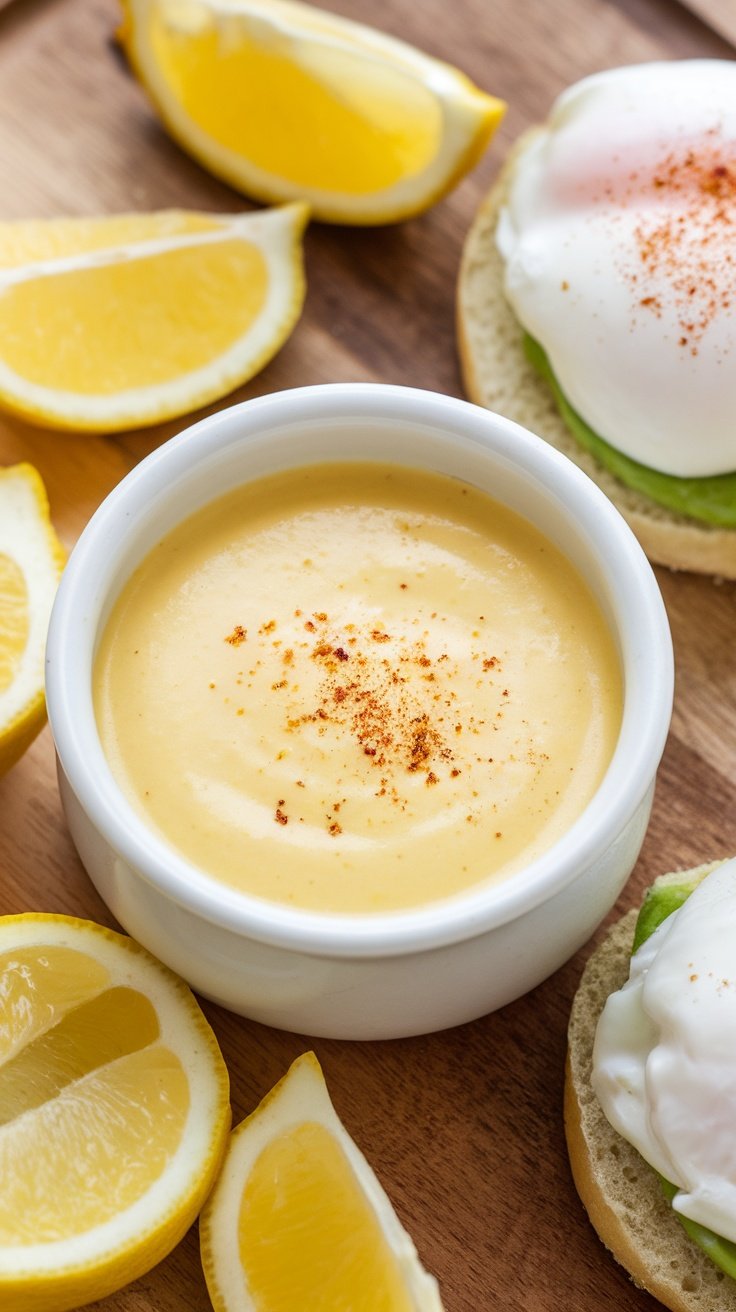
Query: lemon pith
31	560
113	1094
149	316
14	619
285	101
298	1219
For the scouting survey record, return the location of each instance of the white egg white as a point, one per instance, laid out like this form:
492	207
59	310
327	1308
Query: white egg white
619	241
664	1061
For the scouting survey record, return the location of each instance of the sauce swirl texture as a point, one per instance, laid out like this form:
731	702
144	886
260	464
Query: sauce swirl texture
357	688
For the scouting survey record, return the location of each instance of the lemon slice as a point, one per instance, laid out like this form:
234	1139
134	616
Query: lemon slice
298	1220
31	560
284	101
114	1111
114	322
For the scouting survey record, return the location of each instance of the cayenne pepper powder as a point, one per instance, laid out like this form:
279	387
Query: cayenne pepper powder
685	242
370	693
367	689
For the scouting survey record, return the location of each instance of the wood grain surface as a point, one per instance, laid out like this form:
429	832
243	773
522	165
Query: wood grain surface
463	1128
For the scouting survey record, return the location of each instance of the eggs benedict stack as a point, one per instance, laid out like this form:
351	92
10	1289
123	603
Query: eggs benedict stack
650	1095
597	298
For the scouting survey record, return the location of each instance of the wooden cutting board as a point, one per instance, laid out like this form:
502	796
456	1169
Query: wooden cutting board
463	1128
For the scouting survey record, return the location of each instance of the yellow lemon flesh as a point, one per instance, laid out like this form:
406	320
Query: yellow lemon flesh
31	560
298	1219
114	1111
285	101
111	323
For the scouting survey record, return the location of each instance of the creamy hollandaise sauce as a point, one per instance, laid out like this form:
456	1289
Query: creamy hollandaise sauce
357	687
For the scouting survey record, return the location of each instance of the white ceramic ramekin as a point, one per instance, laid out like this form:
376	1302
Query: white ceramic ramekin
403	972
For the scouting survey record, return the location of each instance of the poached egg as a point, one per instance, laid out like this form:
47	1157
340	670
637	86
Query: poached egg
664	1059
619	241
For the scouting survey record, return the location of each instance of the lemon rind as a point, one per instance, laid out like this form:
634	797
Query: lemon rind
27	538
62	1274
301	1096
469	118
277	234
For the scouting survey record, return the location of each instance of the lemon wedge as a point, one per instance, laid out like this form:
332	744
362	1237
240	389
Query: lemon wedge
286	101
114	1111
31	561
120	321
298	1220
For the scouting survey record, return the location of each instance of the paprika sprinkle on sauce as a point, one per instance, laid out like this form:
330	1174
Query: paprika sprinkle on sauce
370	696
365	754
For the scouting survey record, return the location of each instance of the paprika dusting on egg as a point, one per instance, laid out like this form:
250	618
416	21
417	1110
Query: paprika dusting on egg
683	240
687	245
617	234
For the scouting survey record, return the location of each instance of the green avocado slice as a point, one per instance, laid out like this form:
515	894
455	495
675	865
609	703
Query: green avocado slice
664	896
711	500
